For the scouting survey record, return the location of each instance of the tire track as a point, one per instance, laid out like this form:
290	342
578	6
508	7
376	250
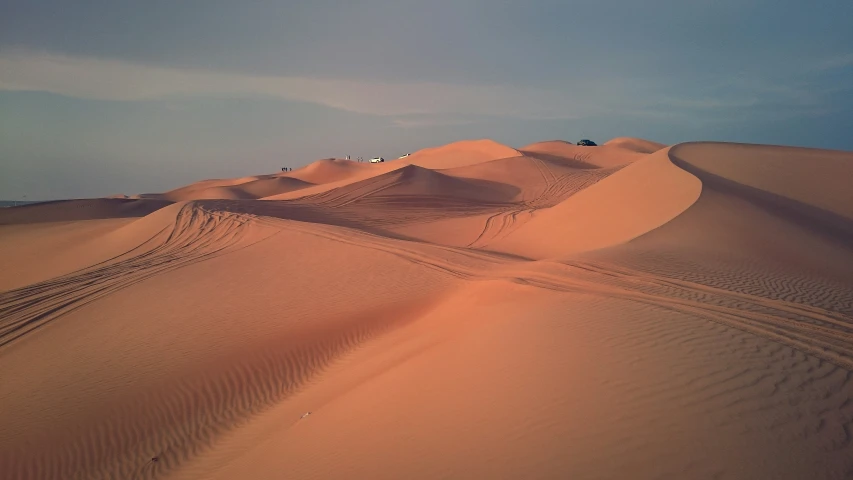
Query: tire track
197	235
199	410
823	333
557	190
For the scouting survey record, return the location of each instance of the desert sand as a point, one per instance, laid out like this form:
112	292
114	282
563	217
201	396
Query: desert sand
632	310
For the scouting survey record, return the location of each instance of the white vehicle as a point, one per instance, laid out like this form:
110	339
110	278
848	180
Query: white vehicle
404	156
377	160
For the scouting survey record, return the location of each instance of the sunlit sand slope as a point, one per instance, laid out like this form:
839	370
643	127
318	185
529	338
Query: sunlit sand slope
471	311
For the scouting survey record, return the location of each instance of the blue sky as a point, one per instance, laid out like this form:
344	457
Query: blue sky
115	96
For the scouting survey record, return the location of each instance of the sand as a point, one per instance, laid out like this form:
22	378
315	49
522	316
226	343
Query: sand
632	310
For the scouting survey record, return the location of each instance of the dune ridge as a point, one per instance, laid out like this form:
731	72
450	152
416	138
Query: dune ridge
242	189
461	154
636	144
470	311
326	171
335	173
412	180
778	171
621	151
631	202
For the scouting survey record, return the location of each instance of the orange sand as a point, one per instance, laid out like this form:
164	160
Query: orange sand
631	310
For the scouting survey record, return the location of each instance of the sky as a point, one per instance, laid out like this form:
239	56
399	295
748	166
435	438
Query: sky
102	97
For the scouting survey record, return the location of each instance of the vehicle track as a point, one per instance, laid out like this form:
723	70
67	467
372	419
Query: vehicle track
557	189
823	332
197	234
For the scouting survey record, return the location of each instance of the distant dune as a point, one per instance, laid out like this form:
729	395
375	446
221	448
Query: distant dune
460	154
251	188
82	209
620	151
635	144
631	310
326	171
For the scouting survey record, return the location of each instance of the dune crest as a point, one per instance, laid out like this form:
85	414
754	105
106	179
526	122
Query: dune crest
247	188
776	170
326	171
461	154
602	156
635	144
413	180
635	200
332	173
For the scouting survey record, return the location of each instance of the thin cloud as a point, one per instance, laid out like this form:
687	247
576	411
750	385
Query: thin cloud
422	121
409	105
839	61
710	103
93	78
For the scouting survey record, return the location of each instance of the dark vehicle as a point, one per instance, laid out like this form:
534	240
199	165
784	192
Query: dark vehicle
587	143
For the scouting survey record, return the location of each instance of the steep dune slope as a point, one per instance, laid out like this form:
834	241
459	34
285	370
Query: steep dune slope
625	205
816	178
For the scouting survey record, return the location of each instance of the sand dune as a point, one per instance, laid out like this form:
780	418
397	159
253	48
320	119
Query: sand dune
530	175
778	171
416	181
472	311
635	144
83	209
460	154
627	204
328	171
332	173
623	151
242	189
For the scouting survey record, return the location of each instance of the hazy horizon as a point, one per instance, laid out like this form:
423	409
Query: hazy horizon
119	97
